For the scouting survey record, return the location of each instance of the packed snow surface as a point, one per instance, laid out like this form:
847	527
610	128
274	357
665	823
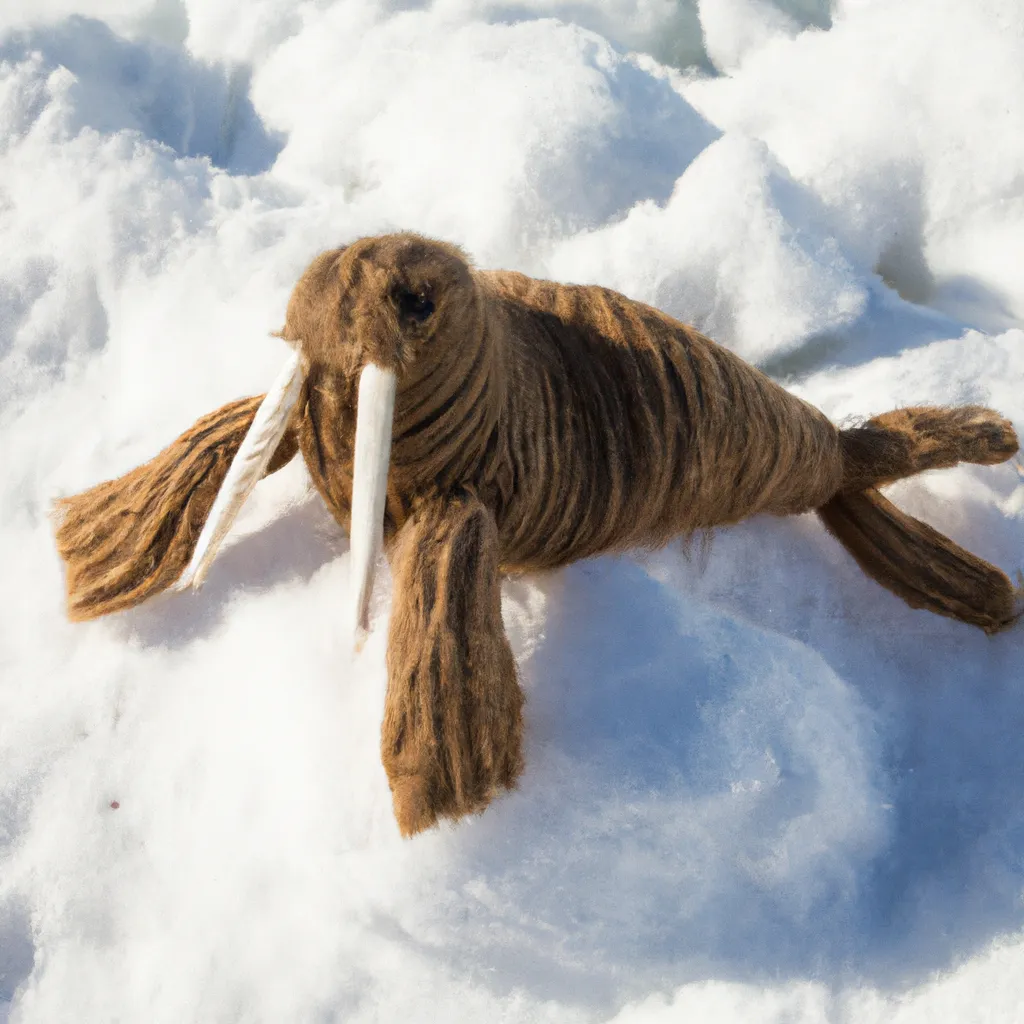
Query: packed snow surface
759	788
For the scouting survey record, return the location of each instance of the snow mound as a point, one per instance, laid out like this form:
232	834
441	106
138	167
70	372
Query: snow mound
739	250
759	787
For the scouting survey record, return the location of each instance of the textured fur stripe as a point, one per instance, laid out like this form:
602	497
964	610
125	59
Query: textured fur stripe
627	428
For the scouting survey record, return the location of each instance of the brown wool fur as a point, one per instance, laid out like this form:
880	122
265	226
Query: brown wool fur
535	424
128	539
452	733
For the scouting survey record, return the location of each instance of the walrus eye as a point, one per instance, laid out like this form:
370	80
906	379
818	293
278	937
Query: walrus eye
414	305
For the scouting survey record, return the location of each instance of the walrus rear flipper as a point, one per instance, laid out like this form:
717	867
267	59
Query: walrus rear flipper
908	557
128	539
919	564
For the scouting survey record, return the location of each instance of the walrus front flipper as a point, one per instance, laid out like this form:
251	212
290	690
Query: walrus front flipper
128	539
908	557
452	733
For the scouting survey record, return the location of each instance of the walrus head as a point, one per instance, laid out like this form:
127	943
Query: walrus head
401	318
383	301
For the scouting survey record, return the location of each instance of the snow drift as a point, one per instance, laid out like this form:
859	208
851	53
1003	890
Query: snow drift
759	788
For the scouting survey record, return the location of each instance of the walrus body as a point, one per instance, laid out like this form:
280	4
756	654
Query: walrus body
614	426
591	357
534	424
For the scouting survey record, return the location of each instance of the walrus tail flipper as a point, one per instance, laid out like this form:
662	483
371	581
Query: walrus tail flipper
919	564
908	557
130	538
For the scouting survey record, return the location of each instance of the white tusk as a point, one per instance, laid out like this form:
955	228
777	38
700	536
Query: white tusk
247	467
374	415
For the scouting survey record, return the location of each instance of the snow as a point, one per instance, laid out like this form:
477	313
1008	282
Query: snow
759	788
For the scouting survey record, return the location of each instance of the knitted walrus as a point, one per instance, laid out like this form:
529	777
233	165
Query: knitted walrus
479	423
